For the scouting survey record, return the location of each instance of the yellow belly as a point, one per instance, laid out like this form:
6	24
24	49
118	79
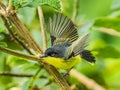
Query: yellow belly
61	63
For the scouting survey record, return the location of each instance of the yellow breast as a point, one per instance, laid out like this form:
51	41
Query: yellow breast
61	63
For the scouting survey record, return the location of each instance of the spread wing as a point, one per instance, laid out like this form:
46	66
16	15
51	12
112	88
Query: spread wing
62	29
78	46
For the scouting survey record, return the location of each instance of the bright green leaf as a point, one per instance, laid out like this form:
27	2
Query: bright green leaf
108	52
21	3
112	23
35	3
3	44
52	3
15	61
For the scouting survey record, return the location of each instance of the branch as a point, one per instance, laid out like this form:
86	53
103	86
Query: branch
14	36
42	24
89	83
12	52
2	5
23	31
58	78
17	75
2	13
10	5
14	75
11	14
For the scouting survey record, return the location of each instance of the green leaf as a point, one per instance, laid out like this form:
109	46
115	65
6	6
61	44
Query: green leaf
112	23
52	3
35	3
3	44
108	52
1	36
15	61
20	3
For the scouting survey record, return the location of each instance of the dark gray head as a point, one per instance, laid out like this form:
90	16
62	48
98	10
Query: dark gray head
55	51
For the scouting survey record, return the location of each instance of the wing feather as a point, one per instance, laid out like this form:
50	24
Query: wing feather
79	45
61	26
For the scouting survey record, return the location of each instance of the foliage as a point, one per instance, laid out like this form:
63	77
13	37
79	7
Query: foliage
90	15
35	3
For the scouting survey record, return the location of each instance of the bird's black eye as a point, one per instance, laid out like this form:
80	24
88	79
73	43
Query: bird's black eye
51	52
54	55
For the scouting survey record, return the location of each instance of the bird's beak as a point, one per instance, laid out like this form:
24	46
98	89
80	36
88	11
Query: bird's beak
43	56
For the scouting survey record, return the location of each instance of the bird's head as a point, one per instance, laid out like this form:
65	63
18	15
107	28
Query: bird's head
51	52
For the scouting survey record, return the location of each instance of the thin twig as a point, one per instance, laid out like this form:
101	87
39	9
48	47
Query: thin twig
42	24
10	5
14	75
12	52
2	13
18	75
89	83
33	79
23	31
58	78
14	36
2	5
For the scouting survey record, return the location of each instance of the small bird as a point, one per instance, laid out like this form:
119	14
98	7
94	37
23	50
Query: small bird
67	49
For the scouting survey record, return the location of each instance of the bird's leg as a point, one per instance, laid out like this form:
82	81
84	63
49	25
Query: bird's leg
66	73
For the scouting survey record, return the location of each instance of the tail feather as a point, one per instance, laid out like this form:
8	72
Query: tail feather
87	55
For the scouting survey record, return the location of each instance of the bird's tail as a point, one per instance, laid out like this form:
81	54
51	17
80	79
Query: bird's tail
87	55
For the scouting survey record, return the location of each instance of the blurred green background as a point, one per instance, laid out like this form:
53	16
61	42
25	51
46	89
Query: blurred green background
99	17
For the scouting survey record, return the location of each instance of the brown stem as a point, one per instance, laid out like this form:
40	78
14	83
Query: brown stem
17	75
10	5
14	36
23	30
12	52
58	78
2	5
14	75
